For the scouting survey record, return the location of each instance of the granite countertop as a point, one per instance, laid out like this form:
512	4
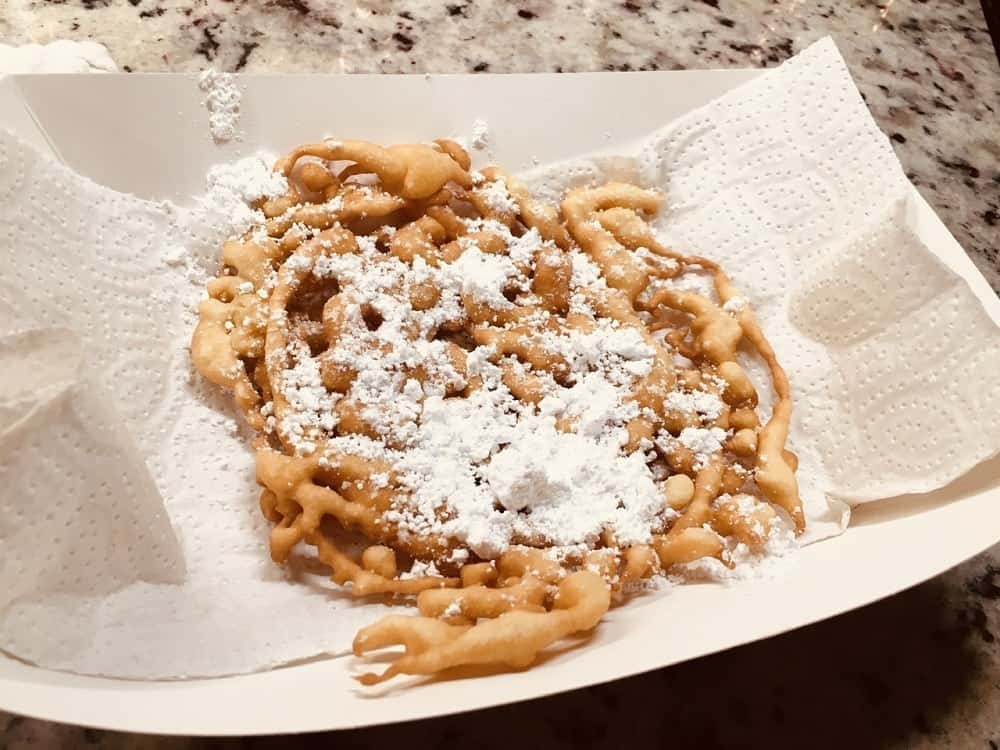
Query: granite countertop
918	670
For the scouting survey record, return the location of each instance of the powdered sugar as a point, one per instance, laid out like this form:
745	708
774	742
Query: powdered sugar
480	134
420	569
310	415
497	197
522	250
706	405
485	276
178	256
247	179
232	188
736	305
224	210
596	406
574	486
471	455
743	563
703	442
620	353
222	102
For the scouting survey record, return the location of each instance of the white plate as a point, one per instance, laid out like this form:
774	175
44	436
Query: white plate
147	135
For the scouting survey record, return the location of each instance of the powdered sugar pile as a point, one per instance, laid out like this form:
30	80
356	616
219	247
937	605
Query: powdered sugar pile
222	101
497	197
506	474
706	405
480	134
484	276
574	487
223	210
232	187
704	442
736	305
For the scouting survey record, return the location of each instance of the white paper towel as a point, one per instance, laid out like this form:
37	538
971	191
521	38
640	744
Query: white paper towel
59	56
103	571
786	180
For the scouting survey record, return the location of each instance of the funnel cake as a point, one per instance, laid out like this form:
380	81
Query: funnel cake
524	410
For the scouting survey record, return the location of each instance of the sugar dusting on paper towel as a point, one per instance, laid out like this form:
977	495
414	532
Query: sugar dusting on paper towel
232	187
222	101
224	210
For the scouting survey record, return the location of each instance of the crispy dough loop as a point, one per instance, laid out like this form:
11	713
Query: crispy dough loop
411	171
534	214
620	268
513	639
412	204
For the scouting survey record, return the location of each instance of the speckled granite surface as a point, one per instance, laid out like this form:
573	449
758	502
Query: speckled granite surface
919	670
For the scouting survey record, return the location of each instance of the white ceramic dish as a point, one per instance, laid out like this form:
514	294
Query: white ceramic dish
147	135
